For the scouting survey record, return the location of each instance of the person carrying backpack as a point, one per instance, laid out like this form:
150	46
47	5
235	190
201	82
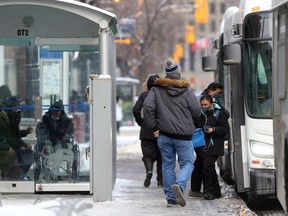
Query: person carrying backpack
214	121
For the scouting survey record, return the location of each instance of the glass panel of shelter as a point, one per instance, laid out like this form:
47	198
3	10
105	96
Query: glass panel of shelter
44	116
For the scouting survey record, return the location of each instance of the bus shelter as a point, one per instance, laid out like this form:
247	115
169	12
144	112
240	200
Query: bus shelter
48	49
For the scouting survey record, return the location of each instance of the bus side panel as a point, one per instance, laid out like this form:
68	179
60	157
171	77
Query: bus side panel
280	103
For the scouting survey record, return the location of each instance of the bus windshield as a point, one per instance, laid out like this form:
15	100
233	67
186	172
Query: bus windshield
258	74
258	64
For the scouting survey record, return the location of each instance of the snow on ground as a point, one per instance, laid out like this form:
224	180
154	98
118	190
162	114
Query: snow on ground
53	207
129	195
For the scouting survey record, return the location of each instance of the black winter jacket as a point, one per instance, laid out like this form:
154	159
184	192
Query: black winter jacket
215	140
6	137
146	133
58	130
171	107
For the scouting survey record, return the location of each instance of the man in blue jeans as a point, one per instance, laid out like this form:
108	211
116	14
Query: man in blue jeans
170	110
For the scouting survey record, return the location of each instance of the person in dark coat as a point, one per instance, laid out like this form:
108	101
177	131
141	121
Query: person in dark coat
169	110
59	128
7	152
150	150
24	152
55	141
215	127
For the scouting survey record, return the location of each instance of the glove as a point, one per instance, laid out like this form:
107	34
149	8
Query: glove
29	130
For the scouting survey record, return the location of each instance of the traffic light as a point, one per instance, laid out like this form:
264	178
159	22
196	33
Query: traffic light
201	11
178	53
123	41
190	34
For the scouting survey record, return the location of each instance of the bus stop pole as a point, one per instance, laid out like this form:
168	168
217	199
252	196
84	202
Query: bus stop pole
101	138
102	168
104	47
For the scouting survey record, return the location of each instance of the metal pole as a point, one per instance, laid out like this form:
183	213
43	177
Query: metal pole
104	47
52	99
101	145
186	54
101	132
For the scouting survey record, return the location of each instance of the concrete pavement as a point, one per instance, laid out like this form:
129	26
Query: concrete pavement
130	197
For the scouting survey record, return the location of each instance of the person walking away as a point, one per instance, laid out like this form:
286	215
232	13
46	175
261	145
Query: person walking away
170	109
150	149
214	121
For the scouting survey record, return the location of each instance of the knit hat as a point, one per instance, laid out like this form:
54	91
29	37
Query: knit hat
58	105
12	102
172	69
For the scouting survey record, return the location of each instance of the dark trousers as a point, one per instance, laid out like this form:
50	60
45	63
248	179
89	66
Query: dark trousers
196	177
210	177
26	160
205	172
151	153
118	125
150	150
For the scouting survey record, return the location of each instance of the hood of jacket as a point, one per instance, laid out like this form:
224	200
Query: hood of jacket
172	86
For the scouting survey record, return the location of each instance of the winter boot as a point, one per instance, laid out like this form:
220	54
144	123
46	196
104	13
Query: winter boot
149	171
147	180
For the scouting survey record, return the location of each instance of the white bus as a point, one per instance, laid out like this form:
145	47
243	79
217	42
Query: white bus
213	62
280	101
247	78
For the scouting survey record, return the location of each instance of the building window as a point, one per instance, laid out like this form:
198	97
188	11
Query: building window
223	7
212	8
212	26
202	27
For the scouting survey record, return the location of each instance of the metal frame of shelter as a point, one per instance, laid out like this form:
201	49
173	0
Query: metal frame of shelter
64	22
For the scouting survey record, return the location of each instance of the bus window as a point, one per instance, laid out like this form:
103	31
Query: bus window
126	91
258	83
258	26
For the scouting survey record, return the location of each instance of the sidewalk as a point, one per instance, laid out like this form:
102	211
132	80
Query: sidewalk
130	197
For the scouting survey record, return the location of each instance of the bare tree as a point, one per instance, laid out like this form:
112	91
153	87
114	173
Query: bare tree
153	39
